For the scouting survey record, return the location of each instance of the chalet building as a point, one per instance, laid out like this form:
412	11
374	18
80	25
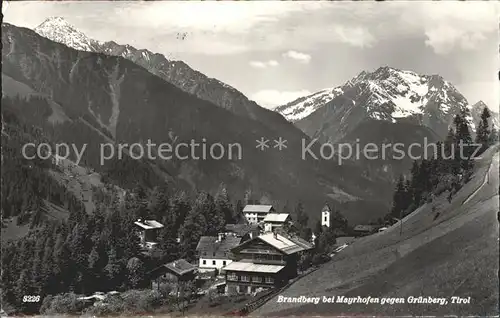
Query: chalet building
267	261
244	231
362	230
177	271
255	214
273	221
325	215
148	232
213	251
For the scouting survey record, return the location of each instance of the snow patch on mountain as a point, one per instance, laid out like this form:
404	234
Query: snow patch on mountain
386	94
305	106
59	30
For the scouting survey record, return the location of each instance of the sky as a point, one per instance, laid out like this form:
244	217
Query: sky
275	52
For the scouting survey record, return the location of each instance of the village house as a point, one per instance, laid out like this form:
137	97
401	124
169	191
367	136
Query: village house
174	272
148	232
363	230
255	213
267	261
213	251
245	231
273	221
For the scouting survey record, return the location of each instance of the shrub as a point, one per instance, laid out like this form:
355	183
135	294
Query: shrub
112	306
142	300
130	302
62	304
468	176
319	259
442	187
305	261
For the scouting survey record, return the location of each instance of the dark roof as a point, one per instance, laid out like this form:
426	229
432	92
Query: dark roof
301	242
210	246
367	228
326	208
241	229
178	267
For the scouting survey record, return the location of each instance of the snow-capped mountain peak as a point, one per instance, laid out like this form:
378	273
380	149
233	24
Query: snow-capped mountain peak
59	30
386	94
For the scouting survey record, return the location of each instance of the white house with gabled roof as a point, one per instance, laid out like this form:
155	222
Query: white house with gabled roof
273	221
255	213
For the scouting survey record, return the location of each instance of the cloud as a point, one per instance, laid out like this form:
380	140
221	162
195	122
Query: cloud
233	17
448	26
249	26
260	64
444	38
356	36
271	98
301	57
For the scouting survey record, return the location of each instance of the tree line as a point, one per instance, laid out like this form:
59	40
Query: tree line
448	168
101	251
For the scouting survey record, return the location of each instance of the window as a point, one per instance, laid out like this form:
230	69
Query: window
269	280
325	218
257	279
232	277
213	262
204	262
223	263
245	278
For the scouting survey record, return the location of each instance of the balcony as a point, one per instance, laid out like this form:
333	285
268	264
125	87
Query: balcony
233	278
262	261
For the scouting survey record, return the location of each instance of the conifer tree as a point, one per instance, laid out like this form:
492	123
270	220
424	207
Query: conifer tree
463	140
160	204
238	213
179	208
223	204
214	218
398	201
113	269
195	225
95	266
135	269
483	132
302	222
23	288
493	136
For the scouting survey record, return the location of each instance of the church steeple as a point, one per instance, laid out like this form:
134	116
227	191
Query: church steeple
325	215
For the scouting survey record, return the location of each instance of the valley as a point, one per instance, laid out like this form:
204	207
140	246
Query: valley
83	100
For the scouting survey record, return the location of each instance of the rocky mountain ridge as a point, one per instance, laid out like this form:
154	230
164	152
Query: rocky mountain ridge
385	94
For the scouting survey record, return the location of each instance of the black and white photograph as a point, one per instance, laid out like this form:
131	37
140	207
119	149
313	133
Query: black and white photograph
250	158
